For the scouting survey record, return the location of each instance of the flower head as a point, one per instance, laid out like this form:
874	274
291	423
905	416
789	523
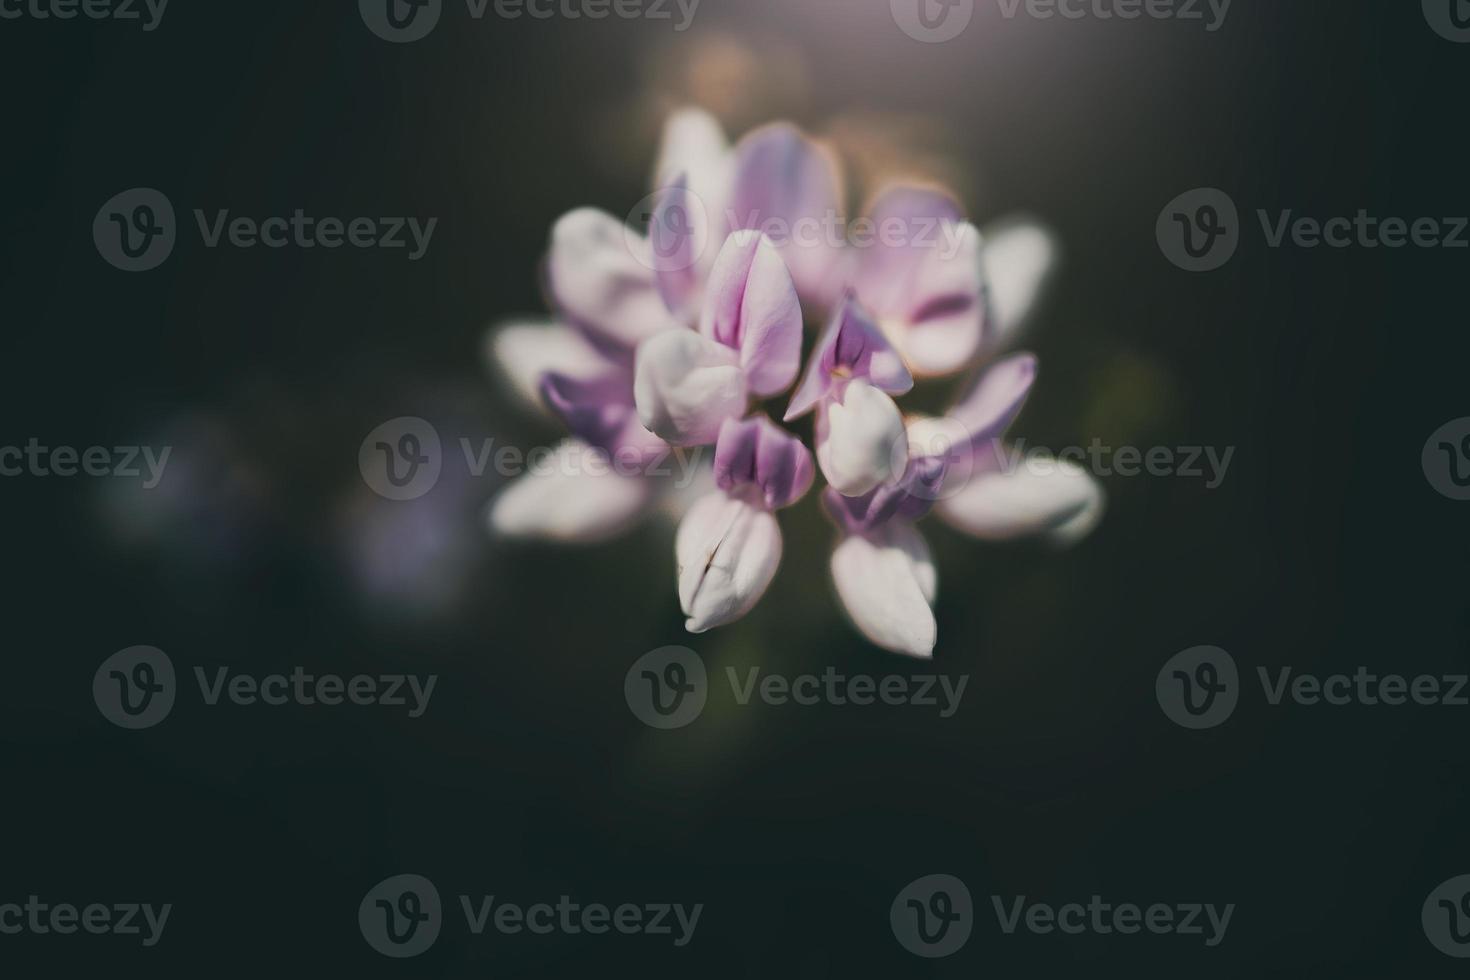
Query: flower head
666	339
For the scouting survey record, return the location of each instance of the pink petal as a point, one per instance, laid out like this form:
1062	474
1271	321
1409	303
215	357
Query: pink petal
756	452
995	399
906	222
943	319
751	306
677	238
852	345
787	186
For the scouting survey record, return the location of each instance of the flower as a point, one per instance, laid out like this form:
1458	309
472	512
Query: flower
729	544
852	371
673	338
686	384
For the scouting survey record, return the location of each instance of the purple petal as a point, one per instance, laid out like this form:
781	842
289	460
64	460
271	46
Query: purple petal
996	398
676	238
906	221
757	452
853	345
903	501
785	185
751	307
600	411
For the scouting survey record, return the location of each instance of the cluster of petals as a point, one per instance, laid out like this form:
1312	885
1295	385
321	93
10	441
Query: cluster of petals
676	336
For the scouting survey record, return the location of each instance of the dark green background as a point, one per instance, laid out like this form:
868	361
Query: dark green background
528	778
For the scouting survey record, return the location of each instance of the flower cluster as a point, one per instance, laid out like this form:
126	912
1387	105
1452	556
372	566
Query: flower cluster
675	337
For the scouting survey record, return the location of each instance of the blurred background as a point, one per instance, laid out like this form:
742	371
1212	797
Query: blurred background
1325	548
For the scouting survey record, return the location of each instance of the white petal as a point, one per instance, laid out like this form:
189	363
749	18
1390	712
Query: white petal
695	145
686	385
727	550
601	275
1018	258
520	352
1036	495
573	496
860	440
886	581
